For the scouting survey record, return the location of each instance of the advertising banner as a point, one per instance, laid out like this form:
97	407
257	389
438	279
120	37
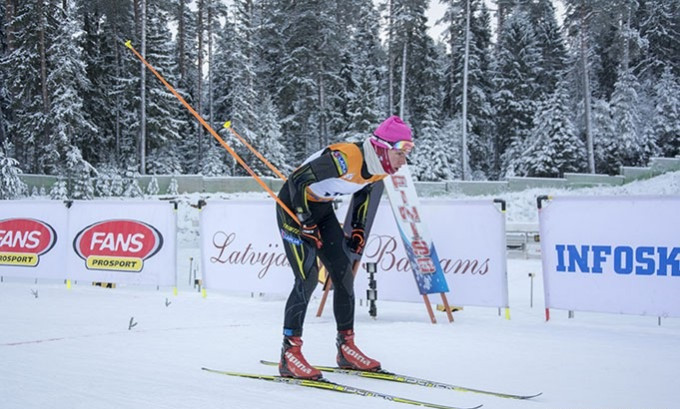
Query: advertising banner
414	233
134	243
33	241
244	253
612	254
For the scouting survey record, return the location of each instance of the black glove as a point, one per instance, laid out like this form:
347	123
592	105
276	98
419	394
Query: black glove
357	239
310	234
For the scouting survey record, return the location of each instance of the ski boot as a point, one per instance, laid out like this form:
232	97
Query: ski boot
351	357
293	364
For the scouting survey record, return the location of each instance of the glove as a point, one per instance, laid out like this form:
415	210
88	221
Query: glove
310	234
357	240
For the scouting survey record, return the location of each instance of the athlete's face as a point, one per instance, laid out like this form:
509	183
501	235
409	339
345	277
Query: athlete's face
397	158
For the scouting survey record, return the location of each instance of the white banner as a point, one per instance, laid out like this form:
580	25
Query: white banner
242	251
131	242
33	239
612	254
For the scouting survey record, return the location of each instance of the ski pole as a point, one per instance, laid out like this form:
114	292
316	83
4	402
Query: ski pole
200	119
253	150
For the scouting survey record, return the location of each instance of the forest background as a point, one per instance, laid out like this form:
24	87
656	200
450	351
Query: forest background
590	90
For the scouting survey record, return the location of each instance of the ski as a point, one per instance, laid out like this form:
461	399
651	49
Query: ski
393	377
337	387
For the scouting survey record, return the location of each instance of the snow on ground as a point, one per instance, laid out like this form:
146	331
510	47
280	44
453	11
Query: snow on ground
73	349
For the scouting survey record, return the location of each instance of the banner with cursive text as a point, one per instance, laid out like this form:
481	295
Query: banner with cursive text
242	251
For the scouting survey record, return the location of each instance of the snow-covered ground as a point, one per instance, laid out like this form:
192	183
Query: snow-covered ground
72	348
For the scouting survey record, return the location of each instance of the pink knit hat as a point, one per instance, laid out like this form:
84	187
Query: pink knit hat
392	130
393	133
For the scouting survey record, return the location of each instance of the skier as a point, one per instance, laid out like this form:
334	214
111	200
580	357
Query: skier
339	169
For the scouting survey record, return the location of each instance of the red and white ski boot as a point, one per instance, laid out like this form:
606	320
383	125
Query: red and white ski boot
351	357
293	364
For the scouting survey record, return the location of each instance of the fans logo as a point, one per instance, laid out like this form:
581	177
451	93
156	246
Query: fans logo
117	245
23	241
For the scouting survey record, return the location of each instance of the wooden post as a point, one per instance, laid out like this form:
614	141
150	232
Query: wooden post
429	309
449	314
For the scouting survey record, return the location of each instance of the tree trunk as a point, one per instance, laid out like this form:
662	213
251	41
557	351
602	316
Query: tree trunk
402	99
210	61
465	82
390	38
199	84
43	82
181	34
9	27
323	137
586	88
142	103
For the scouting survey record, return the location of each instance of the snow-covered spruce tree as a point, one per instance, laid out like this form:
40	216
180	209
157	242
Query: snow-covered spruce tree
634	145
516	70
59	190
269	138
79	174
551	44
164	114
666	121
32	24
479	107
437	155
361	82
68	121
660	29
245	85
173	187
213	163
131	186
306	76
606	149
556	148
152	189
11	186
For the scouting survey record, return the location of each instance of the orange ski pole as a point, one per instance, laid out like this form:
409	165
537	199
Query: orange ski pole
253	150
226	146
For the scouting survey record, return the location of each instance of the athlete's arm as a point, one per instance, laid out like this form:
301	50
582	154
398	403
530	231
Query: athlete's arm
324	167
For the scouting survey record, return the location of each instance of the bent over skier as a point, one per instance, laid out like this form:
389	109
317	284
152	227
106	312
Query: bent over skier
339	169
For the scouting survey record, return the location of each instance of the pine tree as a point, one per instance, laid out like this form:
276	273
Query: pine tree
551	45
607	150
361	85
164	114
11	186
68	121
516	71
666	118
634	146
437	155
59	190
32	24
479	107
556	148
152	189
79	174
660	29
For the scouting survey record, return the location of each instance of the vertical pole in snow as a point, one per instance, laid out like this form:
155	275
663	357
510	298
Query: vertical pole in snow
403	83
429	308
142	103
465	80
449	314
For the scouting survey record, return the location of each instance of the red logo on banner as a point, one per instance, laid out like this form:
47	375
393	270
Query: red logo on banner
118	245
23	241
